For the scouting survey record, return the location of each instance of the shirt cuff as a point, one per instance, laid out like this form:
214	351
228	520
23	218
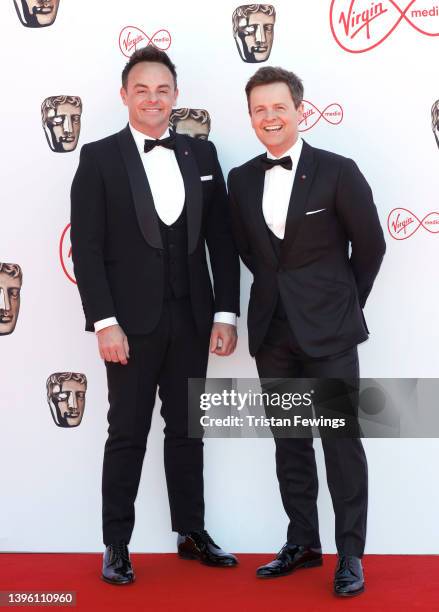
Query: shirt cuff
103	323
225	317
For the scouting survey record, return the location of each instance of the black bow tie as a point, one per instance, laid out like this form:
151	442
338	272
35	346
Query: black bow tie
286	162
168	143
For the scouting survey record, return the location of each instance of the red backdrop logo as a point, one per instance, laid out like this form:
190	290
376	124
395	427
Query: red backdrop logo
132	38
65	254
362	25
333	114
402	223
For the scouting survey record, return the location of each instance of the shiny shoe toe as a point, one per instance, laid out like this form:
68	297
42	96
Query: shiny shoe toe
290	558
198	545
349	578
116	566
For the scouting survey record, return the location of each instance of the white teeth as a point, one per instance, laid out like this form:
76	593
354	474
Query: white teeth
273	128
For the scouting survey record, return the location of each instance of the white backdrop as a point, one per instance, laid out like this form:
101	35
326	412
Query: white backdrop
50	476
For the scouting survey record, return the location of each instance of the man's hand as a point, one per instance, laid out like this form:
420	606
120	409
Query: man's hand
223	339
113	344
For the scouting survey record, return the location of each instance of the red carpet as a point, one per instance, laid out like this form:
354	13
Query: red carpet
164	582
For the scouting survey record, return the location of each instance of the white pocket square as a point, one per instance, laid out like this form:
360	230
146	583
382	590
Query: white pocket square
208	177
313	212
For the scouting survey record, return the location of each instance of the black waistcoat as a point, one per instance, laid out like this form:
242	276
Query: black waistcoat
276	242
175	254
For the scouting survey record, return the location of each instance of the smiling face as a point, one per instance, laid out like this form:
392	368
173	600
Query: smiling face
37	13
63	126
150	95
67	403
10	288
274	117
254	37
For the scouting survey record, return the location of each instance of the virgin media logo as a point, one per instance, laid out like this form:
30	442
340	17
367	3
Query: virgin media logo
333	114
402	223
65	254
132	38
362	25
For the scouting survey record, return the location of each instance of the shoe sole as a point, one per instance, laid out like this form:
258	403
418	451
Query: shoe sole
306	565
189	557
354	594
117	583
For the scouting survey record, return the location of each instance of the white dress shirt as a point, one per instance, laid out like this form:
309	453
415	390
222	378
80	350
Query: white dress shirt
278	185
167	188
164	178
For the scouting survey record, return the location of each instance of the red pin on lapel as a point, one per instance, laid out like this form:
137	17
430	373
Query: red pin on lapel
186	152
303	177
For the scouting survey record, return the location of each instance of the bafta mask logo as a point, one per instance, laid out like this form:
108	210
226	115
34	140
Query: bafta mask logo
66	397
193	122
435	120
10	286
253	30
36	13
61	116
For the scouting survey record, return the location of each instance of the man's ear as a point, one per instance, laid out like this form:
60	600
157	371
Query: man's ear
123	95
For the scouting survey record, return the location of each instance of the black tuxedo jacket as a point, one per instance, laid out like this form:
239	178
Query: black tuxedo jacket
323	289
116	241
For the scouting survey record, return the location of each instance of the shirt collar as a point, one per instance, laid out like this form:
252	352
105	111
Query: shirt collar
139	137
294	152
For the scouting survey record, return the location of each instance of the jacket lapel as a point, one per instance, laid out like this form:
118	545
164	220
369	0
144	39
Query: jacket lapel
302	183
255	190
140	189
192	186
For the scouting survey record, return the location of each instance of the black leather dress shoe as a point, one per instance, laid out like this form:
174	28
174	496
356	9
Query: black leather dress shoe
290	558
116	567
349	578
200	546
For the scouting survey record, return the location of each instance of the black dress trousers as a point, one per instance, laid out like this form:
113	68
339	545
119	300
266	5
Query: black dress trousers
164	359
346	464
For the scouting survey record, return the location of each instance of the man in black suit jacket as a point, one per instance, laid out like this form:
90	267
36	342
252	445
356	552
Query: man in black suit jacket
145	202
295	211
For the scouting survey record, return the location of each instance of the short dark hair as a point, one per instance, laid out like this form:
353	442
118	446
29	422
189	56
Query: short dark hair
270	74
148	54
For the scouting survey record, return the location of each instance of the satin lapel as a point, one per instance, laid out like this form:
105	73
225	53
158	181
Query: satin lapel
192	186
255	190
141	191
299	194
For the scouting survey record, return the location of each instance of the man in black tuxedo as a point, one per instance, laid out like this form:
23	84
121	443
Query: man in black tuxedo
145	202
295	210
